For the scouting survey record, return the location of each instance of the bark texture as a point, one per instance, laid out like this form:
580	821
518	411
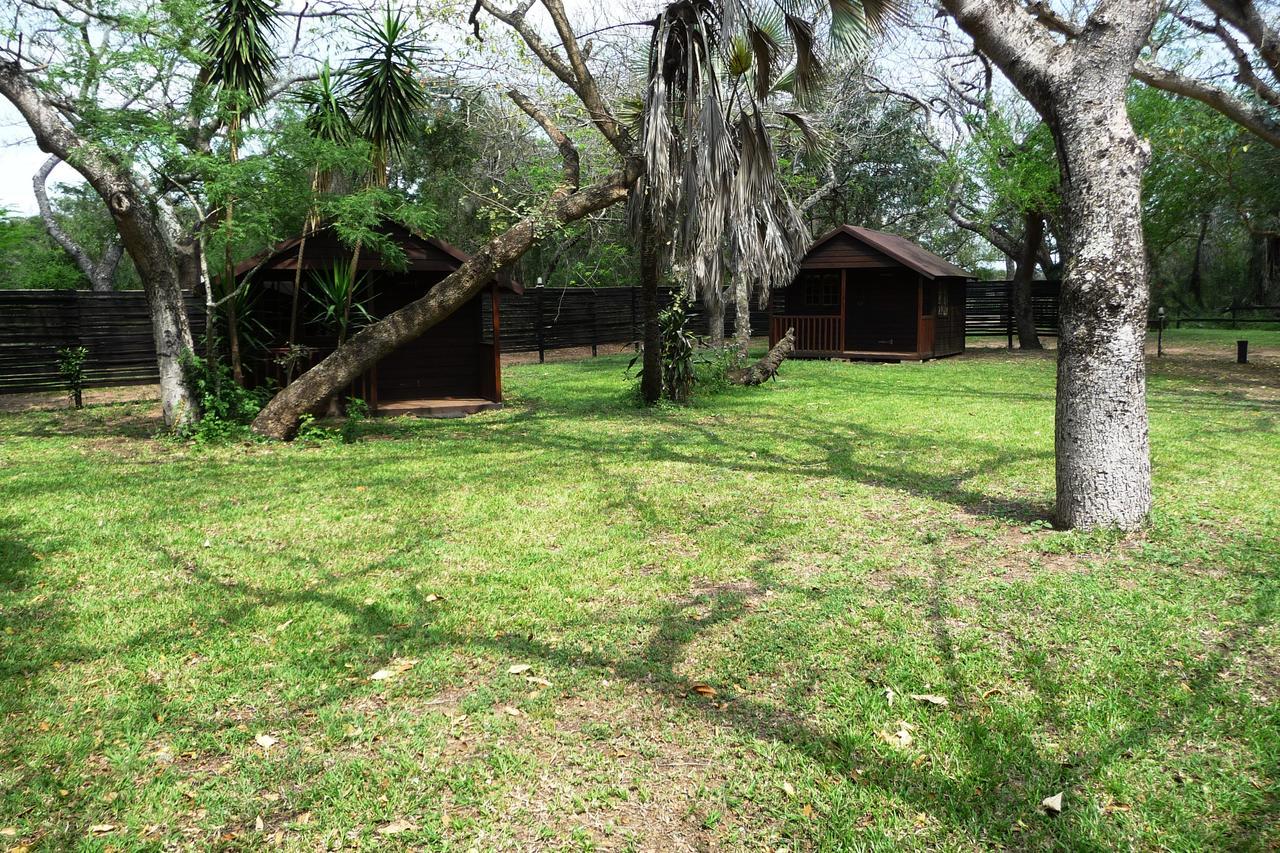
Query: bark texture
767	367
651	334
139	223
1103	468
1023	312
741	315
279	419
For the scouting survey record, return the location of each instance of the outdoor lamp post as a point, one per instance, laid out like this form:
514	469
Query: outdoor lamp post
1160	333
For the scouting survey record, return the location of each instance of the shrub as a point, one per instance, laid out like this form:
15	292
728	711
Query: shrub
226	408
71	366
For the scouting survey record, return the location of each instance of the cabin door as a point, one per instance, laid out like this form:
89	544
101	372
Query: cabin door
880	311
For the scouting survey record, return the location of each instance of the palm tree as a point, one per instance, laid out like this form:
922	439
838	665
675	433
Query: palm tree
241	64
382	83
327	119
711	198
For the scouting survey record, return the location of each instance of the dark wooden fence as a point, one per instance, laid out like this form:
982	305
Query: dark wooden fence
989	309
114	327
547	318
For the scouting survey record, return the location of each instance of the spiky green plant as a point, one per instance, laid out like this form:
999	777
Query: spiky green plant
241	62
382	81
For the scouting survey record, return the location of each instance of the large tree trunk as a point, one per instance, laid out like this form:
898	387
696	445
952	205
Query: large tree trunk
651	345
1103	467
1023	313
715	321
1101	441
137	221
279	419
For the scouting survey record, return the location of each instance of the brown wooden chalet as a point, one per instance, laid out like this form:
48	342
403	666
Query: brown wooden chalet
454	369
864	294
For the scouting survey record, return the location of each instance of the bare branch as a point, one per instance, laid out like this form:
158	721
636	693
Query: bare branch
568	152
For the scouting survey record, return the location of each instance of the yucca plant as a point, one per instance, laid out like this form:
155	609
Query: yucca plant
334	292
327	118
241	62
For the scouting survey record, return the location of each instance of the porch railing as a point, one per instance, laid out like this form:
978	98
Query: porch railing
814	332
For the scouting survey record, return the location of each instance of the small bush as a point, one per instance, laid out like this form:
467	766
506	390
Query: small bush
226	408
71	366
357	411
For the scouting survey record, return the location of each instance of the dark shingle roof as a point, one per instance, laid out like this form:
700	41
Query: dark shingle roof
899	249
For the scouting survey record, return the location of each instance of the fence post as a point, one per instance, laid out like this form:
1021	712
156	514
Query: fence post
595	321
542	351
1008	312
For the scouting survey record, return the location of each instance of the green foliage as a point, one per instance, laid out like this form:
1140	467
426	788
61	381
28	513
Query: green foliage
30	260
226	408
340	297
357	413
241	51
382	82
679	347
71	368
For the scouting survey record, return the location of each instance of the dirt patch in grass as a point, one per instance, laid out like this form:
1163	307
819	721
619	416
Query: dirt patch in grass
49	400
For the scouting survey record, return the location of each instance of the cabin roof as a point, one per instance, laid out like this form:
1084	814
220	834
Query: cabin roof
897	248
423	253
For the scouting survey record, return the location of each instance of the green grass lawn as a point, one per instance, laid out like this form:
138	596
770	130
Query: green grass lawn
577	625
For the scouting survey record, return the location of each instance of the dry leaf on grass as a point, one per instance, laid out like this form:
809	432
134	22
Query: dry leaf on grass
888	695
432	597
900	738
512	711
9	832
396	667
517	668
533	679
788	789
807	811
1052	805
259	824
931	698
265	741
102	828
703	690
396	826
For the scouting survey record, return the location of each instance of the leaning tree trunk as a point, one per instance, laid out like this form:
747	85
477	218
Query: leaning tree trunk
1023	312
651	352
139	225
767	367
1101	441
279	419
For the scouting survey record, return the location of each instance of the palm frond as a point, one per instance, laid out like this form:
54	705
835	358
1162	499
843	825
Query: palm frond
382	81
239	46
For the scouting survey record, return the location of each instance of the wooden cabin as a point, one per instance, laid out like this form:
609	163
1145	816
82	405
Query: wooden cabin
454	369
864	294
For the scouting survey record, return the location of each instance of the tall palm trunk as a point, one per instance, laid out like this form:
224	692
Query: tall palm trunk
741	315
651	363
229	269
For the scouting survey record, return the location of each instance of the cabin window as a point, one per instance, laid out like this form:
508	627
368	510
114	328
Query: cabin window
929	302
944	302
822	290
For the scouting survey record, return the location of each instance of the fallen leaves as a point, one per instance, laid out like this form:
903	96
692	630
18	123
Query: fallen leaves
265	741
703	690
517	668
541	682
931	699
901	738
396	667
396	827
512	711
431	598
788	789
102	828
1052	805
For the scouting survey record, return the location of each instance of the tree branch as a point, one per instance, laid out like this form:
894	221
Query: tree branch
569	153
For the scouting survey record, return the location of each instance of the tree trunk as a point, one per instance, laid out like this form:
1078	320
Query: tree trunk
229	269
140	228
715	321
101	273
1103	464
279	419
1023	312
767	367
1102	447
651	352
742	315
